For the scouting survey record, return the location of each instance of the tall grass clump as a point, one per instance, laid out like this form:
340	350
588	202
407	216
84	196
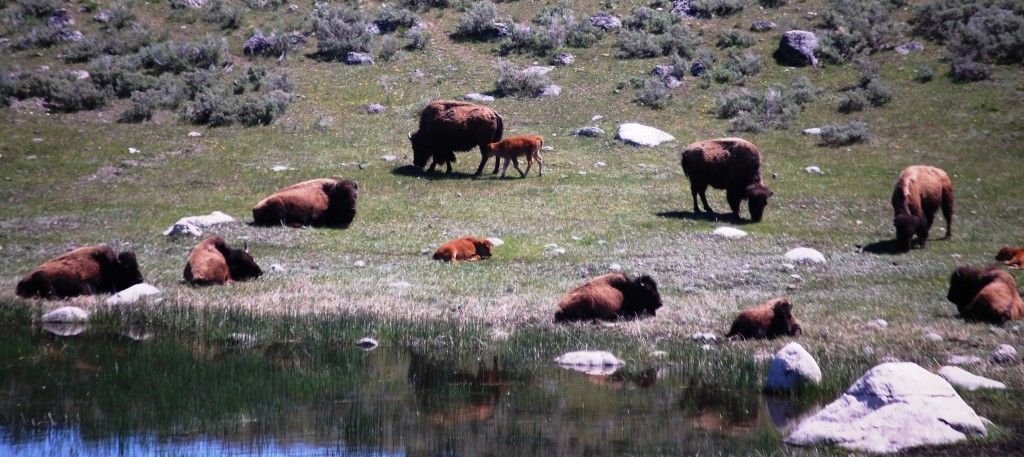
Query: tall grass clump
478	22
856	28
775	108
836	135
516	82
340	30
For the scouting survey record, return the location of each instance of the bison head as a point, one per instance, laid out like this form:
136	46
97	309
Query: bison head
126	271
783	322
908	225
341	197
1006	253
966	282
483	248
241	265
421	151
641	296
757	200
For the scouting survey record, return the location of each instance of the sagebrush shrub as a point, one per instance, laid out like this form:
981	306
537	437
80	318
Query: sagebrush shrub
121	15
679	40
391	19
340	30
638	45
841	135
212	106
583	34
389	47
478	21
422	5
653	93
177	56
966	69
924	73
716	8
734	38
515	82
262	110
856	27
264	4
775	108
982	30
418	39
226	16
853	100
70	96
645	19
523	40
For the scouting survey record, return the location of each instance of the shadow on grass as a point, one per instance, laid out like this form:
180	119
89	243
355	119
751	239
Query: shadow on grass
886	247
711	217
416	172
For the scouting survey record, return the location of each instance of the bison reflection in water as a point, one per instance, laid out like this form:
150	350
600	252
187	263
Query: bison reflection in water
450	394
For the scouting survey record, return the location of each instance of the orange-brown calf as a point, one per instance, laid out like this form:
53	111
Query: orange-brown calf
214	262
1014	257
467	248
771	319
513	147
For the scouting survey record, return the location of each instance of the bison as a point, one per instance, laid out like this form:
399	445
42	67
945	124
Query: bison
83	271
214	262
920	191
610	297
326	202
467	248
1012	257
988	295
733	164
448	126
511	148
771	319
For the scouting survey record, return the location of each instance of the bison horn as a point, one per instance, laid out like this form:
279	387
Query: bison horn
245	245
410	135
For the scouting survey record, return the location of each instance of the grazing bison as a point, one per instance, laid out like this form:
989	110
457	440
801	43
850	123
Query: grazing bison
1013	257
448	126
84	271
609	297
988	295
327	202
214	262
920	191
467	248
511	148
733	164
771	319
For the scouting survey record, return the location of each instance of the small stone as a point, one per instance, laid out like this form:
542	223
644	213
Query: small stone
589	359
1004	354
133	151
932	336
495	242
706	347
600	165
358	58
563	59
877	324
658	354
762	26
280	167
788	267
549	91
359	264
813	131
589	131
729	232
367	344
597	117
796	278
703	337
959	377
963	360
37	140
374	108
132	294
194	134
691	290
913	46
558	251
805	255
615	267
389	158
814	170
605	21
476	97
276	268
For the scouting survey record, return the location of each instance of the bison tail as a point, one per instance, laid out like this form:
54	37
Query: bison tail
500	130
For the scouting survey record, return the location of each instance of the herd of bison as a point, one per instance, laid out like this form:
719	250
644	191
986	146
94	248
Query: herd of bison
731	164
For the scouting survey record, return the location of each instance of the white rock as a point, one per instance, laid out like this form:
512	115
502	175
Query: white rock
589	359
401	285
359	264
893	406
133	151
213	218
600	165
597	117
367	344
183	229
642	135
814	131
792	367
706	347
477	97
703	337
878	324
277	268
132	294
963	360
1003	354
730	232
538	70
389	158
194	134
66	314
495	242
962	378
281	167
658	354
814	170
615	267
932	336
558	251
804	255
65	328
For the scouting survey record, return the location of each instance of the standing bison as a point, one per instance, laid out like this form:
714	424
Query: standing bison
610	297
327	202
920	191
988	295
733	164
214	262
771	319
448	126
84	271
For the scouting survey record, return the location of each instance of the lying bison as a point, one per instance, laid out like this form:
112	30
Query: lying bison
920	191
448	126
214	262
327	202
1012	257
771	319
511	148
988	295
84	271
610	297
733	164
467	248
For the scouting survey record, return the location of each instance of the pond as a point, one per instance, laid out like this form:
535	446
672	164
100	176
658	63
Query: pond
107	393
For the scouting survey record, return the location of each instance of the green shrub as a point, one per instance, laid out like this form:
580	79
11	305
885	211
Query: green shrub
423	5
521	40
878	92
552	13
212	106
776	108
70	96
841	135
924	73
645	19
197	82
716	8
856	27
734	38
176	56
389	47
966	69
638	45
38	8
264	109
853	100
514	82
226	16
983	30
256	75
653	93
391	19
583	34
680	41
141	109
121	75
772	3
340	30
478	21
121	15
21	85
418	39
264	4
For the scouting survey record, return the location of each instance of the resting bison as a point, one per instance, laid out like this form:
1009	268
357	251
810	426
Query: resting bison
511	148
327	202
988	295
214	262
1013	257
84	271
920	191
771	319
448	126
733	164
609	297
467	248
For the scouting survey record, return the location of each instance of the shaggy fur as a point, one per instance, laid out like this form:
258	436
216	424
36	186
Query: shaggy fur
610	297
988	295
919	193
84	271
511	148
214	262
1013	257
327	202
771	319
467	248
448	126
733	164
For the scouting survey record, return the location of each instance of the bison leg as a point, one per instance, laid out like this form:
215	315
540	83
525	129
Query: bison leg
734	198
947	211
483	161
515	163
529	164
540	165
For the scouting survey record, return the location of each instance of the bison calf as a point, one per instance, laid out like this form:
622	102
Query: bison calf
214	262
467	248
84	271
609	297
919	193
327	202
733	164
771	319
1013	257
988	295
511	148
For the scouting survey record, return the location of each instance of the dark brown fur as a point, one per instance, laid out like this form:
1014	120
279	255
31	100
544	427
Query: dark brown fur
1013	257
772	319
511	148
214	262
467	248
988	295
733	164
610	297
447	126
84	271
326	202
919	193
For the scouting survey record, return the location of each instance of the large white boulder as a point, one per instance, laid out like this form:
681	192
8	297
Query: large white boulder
182	226
805	255
642	135
66	314
962	378
893	406
133	294
792	368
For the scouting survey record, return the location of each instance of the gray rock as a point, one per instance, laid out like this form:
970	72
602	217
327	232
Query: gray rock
60	18
762	26
642	135
549	91
65	328
537	70
877	324
102	17
475	97
913	46
1003	354
66	314
563	59
132	294
68	36
704	337
962	378
372	28
293	8
79	74
359	264
804	255
389	158
605	21
697	68
684	9
792	368
797	49
615	267
963	360
661	71
591	131
893	406
672	82
813	131
374	108
358	58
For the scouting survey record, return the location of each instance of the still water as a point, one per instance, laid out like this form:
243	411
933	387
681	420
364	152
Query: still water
135	393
